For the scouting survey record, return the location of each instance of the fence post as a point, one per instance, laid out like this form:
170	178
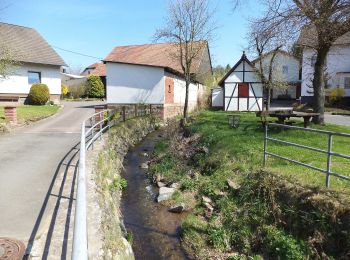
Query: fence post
80	225
135	110
101	125
123	112
329	159
265	143
109	119
150	109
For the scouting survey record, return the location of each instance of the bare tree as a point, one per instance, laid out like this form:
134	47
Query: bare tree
329	19
7	60
189	26
266	43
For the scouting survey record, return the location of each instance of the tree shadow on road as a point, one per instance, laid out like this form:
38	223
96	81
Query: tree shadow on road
54	219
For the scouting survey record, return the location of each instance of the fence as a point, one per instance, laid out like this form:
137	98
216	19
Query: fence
329	151
92	129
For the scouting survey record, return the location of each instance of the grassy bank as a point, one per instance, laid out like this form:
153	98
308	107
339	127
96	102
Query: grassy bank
283	211
27	113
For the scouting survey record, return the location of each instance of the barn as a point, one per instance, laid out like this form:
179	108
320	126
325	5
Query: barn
149	74
240	89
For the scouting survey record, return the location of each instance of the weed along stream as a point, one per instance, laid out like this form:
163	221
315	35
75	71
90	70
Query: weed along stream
155	231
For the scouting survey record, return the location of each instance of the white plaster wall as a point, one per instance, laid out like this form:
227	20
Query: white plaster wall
180	90
280	61
338	60
217	97
17	82
132	84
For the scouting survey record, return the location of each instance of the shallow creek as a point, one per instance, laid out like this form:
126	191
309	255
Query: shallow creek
155	230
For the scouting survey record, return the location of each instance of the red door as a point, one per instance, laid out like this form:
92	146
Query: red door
243	90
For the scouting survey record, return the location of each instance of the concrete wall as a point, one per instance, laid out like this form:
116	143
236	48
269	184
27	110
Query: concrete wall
132	84
338	68
231	90
17	82
217	97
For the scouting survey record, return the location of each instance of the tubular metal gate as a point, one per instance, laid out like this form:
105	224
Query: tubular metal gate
329	151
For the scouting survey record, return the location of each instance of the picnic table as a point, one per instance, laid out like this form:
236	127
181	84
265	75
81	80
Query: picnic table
283	115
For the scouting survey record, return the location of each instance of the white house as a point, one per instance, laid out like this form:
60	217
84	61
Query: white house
37	63
285	68
337	64
149	74
241	88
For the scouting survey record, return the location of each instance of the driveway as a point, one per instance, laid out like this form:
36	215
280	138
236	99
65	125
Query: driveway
31	160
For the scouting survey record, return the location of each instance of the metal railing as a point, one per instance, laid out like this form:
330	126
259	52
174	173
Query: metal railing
330	153
98	124
92	129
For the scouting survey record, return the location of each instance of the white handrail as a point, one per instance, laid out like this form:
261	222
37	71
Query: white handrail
80	243
80	251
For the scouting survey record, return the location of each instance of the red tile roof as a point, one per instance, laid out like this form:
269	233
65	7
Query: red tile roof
98	69
158	55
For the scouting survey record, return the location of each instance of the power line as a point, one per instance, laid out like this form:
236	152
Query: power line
77	53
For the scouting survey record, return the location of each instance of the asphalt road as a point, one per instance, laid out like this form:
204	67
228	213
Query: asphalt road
337	119
29	159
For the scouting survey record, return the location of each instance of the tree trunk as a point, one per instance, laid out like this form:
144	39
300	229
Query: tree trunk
185	115
268	101
319	85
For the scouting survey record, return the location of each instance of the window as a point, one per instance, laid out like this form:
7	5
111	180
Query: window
285	70
169	89
34	77
347	82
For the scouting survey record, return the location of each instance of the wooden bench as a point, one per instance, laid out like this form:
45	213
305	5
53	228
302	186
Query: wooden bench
9	98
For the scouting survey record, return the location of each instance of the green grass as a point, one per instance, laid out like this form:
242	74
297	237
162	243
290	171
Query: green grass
27	113
244	146
272	212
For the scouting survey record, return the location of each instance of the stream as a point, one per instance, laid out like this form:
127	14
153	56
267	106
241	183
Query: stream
155	230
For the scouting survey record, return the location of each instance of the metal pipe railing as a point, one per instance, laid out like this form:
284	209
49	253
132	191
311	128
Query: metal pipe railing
329	150
80	236
80	251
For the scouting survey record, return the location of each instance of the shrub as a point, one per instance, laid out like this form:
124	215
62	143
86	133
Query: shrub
77	91
335	95
95	88
64	90
39	94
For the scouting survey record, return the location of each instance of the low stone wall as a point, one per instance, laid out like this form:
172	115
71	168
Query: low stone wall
106	224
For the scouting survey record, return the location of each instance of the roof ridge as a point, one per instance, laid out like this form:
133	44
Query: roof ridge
12	24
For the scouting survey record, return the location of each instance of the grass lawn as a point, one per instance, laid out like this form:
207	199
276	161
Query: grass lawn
244	146
27	113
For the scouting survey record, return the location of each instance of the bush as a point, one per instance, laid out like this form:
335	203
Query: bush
39	94
77	91
64	90
335	95
95	88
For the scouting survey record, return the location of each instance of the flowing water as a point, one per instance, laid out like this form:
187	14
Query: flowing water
155	230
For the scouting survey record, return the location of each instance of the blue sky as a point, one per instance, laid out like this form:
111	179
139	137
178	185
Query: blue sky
95	27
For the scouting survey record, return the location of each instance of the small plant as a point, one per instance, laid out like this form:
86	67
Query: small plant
39	94
64	90
118	183
95	88
130	237
335	95
281	245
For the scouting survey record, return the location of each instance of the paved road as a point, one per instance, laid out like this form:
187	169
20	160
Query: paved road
30	158
337	119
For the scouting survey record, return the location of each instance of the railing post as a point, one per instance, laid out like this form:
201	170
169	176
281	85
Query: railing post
265	143
329	159
108	119
136	110
79	251
101	125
